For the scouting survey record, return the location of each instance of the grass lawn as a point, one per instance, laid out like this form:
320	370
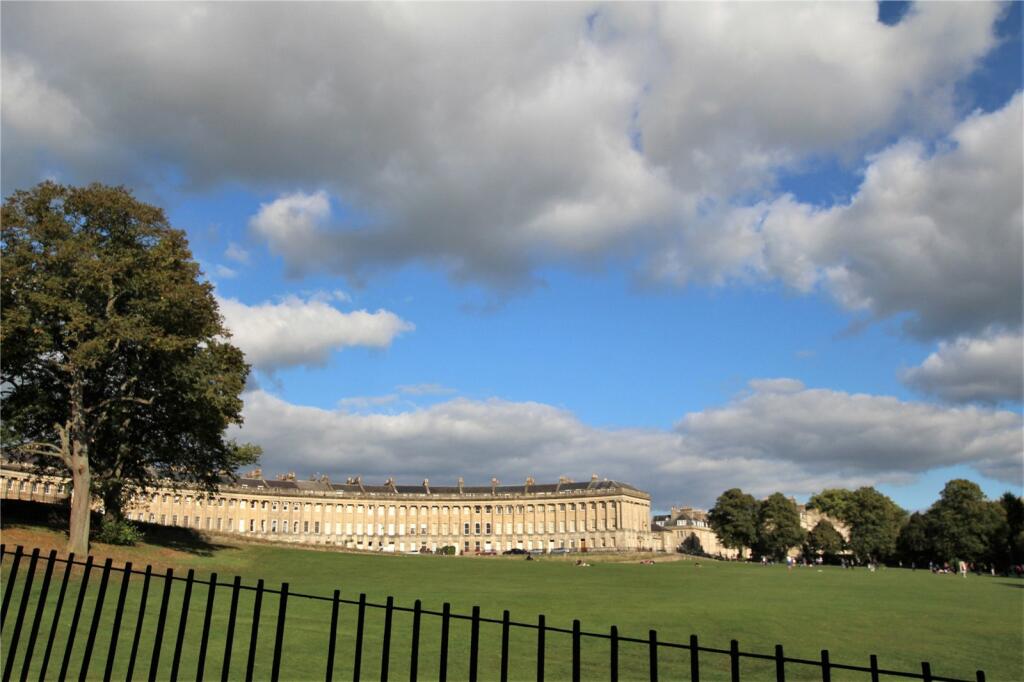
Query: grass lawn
905	617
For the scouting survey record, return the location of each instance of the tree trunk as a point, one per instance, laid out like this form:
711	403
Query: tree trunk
113	500
78	531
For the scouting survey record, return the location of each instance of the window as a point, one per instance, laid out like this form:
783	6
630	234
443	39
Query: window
163	519
487	528
476	529
197	524
263	505
487	509
263	526
284	527
152	518
174	520
218	522
476	509
305	526
252	525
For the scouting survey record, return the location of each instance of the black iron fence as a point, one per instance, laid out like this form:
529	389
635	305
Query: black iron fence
33	652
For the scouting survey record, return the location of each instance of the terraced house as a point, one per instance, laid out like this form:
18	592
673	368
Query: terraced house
597	515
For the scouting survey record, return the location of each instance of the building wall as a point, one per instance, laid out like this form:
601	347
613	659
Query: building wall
605	520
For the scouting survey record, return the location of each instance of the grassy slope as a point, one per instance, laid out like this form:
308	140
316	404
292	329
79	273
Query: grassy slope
904	617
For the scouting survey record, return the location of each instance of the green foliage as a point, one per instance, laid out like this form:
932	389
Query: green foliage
963	524
110	334
691	545
875	522
1009	549
778	527
447	550
734	519
114	531
835	502
914	542
825	540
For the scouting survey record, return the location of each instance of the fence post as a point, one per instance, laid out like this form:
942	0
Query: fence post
160	622
474	643
26	592
414	655
358	658
505	619
96	612
79	601
540	648
385	649
282	607
332	645
652	638
734	660
205	637
10	582
780	664
229	641
694	659
575	651
613	645
138	624
874	668
115	630
926	671
186	600
254	633
69	562
446	612
980	676
826	670
40	606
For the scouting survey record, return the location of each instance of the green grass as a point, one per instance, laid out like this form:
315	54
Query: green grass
959	625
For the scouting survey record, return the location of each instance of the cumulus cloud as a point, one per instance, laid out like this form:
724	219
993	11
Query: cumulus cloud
985	369
935	236
779	435
295	331
537	134
237	253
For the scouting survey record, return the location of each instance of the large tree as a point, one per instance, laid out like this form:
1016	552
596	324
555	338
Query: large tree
875	522
824	539
116	366
778	527
734	519
963	524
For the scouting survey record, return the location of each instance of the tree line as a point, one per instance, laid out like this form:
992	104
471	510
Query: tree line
961	525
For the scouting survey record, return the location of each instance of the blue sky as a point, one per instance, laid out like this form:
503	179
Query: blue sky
687	246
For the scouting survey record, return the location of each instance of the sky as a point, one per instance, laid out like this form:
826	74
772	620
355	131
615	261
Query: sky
686	246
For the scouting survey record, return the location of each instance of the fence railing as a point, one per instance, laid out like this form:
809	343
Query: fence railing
49	656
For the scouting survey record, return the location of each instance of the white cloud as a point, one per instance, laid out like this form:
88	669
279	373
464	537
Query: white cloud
986	369
538	134
779	436
224	272
304	332
425	389
936	236
237	253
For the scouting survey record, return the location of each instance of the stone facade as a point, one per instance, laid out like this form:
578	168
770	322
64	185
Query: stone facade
598	515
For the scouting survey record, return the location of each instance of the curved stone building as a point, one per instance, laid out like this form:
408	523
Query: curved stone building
598	515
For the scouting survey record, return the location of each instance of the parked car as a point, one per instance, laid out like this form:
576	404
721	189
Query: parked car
560	550
514	551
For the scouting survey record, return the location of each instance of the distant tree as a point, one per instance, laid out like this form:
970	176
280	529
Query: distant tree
875	522
914	542
734	519
691	545
1010	548
963	524
834	502
825	540
778	526
116	367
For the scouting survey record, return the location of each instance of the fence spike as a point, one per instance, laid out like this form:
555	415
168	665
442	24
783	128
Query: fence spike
115	629
255	631
414	655
186	600
474	643
138	623
97	611
541	631
79	601
826	670
204	639
236	586
652	639
332	645
282	607
37	620
26	592
505	620
385	649
161	622
360	621
874	667
18	551
613	647
926	671
694	659
734	660
446	612
69	562
575	651
780	664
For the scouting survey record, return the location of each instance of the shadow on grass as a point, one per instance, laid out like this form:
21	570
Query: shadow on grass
55	517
